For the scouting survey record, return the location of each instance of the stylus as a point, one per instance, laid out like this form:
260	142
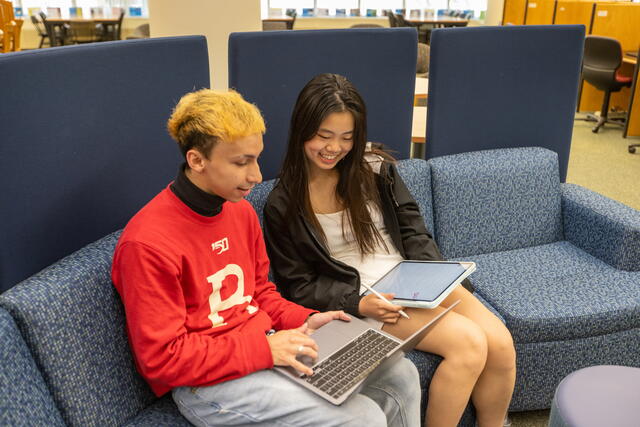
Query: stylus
376	293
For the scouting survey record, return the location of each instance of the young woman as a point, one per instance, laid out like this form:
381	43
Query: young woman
341	215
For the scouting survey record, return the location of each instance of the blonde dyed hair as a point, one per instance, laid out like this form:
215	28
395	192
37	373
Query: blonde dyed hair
205	117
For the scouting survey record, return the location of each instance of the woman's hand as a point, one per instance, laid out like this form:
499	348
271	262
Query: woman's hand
320	319
286	345
376	308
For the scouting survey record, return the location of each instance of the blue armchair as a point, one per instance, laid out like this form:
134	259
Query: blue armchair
560	263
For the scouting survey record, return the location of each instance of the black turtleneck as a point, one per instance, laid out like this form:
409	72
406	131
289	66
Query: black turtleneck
197	200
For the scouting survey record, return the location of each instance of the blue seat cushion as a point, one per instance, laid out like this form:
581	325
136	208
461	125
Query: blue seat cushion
496	200
557	292
24	395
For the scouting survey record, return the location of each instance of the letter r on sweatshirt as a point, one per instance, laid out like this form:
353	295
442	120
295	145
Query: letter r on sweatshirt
216	304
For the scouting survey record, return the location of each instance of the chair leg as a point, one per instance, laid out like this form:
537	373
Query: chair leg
604	112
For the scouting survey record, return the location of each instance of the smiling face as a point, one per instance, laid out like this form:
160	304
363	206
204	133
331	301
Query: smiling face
331	143
231	170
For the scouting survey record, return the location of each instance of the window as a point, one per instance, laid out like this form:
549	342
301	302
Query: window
86	5
379	5
332	5
476	5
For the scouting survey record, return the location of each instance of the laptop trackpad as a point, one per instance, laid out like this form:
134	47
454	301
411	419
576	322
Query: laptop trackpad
333	336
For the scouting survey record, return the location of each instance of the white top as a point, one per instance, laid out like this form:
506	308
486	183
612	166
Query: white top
345	248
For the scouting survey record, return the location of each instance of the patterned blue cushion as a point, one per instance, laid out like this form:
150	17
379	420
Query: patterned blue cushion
73	321
603	227
542	365
25	399
496	200
557	292
416	174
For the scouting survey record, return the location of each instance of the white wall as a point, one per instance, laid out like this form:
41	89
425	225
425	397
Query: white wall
214	19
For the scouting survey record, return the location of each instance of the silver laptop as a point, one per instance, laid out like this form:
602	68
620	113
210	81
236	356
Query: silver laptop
351	354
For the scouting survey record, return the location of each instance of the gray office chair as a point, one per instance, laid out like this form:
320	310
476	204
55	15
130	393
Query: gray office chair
600	67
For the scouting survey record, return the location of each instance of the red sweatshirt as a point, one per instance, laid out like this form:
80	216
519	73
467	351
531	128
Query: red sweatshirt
196	294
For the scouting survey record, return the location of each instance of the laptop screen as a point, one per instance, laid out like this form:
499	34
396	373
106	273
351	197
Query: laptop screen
422	281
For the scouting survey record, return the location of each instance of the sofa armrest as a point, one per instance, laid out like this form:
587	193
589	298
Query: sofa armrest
602	227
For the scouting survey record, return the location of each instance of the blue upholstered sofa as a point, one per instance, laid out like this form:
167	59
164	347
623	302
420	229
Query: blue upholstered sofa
73	323
560	264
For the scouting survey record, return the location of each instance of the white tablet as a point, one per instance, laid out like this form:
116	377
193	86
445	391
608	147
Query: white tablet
423	284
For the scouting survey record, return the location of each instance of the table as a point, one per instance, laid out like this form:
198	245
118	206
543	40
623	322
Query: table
282	18
630	59
52	23
421	89
440	21
418	132
419	124
61	21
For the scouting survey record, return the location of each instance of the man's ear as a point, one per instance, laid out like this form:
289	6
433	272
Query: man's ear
195	160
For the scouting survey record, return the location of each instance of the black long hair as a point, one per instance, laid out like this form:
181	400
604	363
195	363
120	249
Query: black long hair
323	95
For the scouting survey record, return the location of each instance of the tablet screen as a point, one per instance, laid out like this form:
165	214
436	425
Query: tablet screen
419	281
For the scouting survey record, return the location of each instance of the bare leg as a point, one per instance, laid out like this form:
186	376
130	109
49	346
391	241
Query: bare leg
493	390
463	346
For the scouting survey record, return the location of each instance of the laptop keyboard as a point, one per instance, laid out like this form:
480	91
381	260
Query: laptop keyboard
342	370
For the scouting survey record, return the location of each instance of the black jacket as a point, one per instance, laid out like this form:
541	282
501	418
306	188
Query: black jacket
302	267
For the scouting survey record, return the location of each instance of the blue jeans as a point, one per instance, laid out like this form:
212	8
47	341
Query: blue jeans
267	398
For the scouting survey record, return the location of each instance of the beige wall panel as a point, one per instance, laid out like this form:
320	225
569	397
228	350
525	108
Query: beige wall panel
213	19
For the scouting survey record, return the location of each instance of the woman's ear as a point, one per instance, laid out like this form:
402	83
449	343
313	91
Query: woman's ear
195	160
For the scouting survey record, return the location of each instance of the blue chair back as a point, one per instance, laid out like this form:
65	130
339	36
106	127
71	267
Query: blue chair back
84	141
502	87
496	200
270	68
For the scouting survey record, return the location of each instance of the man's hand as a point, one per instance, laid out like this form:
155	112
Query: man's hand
320	319
376	308
286	345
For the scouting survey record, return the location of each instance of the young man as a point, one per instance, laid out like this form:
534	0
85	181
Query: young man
191	269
